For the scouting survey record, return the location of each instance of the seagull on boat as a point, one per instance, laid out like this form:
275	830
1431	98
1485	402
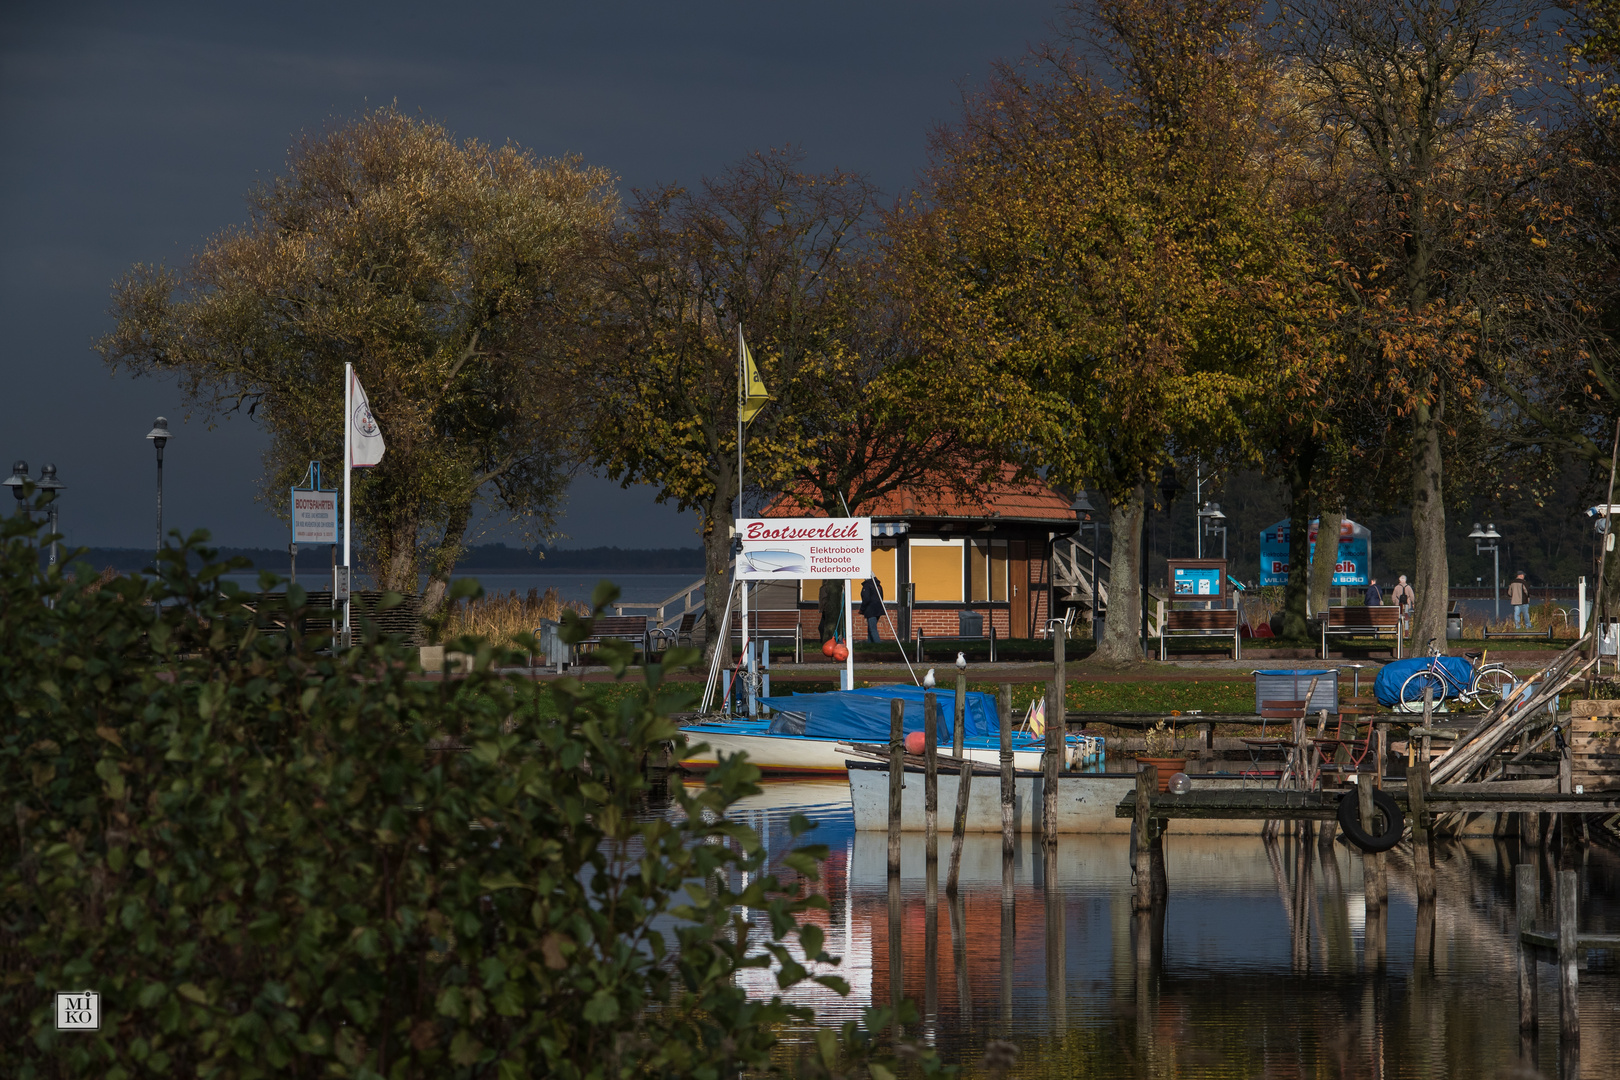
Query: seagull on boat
928	680
961	661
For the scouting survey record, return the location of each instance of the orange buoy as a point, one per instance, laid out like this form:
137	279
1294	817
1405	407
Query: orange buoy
828	646
916	742
840	652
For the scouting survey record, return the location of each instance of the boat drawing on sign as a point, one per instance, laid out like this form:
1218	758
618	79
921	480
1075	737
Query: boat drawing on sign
776	562
807	731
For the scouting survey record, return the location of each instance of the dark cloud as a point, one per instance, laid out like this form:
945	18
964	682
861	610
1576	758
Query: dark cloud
132	132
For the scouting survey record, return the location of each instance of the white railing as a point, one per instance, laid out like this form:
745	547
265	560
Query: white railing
660	609
1071	570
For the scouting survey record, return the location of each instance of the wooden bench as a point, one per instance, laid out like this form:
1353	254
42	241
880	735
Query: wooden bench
773	624
631	628
1521	635
1374	621
1219	622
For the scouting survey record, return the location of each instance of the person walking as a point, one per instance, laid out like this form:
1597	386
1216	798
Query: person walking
1402	596
1519	597
1375	595
872	606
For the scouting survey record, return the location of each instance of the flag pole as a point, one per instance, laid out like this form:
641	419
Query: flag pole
348	461
742	398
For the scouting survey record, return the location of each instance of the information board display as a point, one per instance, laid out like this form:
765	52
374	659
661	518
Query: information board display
776	549
1196	579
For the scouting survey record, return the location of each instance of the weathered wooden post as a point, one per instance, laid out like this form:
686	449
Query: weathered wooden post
1147	782
1428	717
1569	1011
1055	732
1417	797
1381	752
1007	785
960	714
931	776
1527	881
1372	864
897	778
964	791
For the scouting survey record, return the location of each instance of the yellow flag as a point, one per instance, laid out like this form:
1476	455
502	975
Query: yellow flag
753	394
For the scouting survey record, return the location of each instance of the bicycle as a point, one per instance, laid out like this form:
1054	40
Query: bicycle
1489	683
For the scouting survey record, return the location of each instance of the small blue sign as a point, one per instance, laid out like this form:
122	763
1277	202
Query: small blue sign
1353	566
1197	581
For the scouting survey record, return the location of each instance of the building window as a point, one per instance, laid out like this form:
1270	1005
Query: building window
936	571
987	571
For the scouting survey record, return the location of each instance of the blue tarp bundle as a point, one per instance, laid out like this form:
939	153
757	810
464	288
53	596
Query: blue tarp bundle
863	715
1392	675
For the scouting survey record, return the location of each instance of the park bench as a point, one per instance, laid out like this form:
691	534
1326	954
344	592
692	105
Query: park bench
1375	621
970	626
773	624
1520	635
631	628
1219	623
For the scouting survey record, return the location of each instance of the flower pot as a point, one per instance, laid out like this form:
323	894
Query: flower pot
1167	766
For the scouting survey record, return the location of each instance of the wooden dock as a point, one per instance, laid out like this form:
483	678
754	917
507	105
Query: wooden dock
1270	805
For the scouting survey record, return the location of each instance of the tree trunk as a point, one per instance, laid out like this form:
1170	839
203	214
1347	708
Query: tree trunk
1325	559
1296	624
391	542
1431	577
1122	628
444	560
717	525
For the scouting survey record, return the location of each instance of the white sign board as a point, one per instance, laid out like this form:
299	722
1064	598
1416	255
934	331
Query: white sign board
314	517
775	549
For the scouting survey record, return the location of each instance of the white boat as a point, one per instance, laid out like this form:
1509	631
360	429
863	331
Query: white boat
780	753
1086	802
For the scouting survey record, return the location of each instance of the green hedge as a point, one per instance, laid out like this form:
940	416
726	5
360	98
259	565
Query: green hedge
271	861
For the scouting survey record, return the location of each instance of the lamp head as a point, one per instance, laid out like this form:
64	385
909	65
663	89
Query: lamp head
1212	512
1169	486
1491	533
18	477
160	432
1082	506
48	480
1478	533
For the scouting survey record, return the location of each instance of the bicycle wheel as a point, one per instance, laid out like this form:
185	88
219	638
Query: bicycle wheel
1412	688
1492	684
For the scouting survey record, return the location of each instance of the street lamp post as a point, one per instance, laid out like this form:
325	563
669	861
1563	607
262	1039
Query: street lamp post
1490	533
159	436
49	483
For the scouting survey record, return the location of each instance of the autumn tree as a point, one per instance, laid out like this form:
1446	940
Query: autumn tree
451	275
766	246
1096	249
1425	103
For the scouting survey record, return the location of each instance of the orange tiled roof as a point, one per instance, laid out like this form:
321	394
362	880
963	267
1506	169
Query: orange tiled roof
1003	499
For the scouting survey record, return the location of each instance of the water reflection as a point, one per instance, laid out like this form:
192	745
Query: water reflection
1269	958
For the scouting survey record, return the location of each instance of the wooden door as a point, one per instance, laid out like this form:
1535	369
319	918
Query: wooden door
1018	587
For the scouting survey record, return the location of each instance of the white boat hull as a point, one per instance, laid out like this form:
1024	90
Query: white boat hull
789	754
1086	804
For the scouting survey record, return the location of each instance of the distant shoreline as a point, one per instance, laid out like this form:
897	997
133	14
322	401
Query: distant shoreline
480	559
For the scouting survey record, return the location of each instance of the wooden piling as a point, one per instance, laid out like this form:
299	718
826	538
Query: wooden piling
1147	783
960	714
1007	788
931	776
1055	730
1527	881
1417	790
897	778
1372	864
964	789
1381	752
1569	1011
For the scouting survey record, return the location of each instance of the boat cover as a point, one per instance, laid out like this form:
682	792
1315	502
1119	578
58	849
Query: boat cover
1387	688
863	715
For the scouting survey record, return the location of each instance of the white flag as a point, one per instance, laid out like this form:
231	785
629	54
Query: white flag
365	437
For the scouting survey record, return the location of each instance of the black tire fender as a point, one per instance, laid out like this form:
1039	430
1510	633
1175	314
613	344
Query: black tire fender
1350	822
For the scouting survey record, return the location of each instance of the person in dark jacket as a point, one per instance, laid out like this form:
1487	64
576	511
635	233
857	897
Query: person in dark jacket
872	605
1375	595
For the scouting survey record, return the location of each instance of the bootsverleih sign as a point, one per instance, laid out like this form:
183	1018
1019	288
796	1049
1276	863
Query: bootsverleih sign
1352	567
775	549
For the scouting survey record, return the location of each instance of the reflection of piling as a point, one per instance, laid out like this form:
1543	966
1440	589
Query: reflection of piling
1147	782
897	779
964	996
1373	889
1009	923
931	950
1006	771
1526	900
931	776
964	787
1569	1011
1056	951
897	970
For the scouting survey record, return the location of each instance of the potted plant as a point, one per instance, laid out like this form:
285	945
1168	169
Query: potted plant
1159	748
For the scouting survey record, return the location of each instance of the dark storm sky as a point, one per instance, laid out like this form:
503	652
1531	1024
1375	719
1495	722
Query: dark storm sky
133	131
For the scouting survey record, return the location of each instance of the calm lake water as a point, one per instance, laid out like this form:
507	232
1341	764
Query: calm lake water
1218	985
633	588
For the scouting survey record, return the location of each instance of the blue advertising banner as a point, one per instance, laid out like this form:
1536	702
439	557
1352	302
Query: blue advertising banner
1353	566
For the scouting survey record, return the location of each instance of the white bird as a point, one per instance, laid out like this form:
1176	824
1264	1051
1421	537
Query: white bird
961	661
928	680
